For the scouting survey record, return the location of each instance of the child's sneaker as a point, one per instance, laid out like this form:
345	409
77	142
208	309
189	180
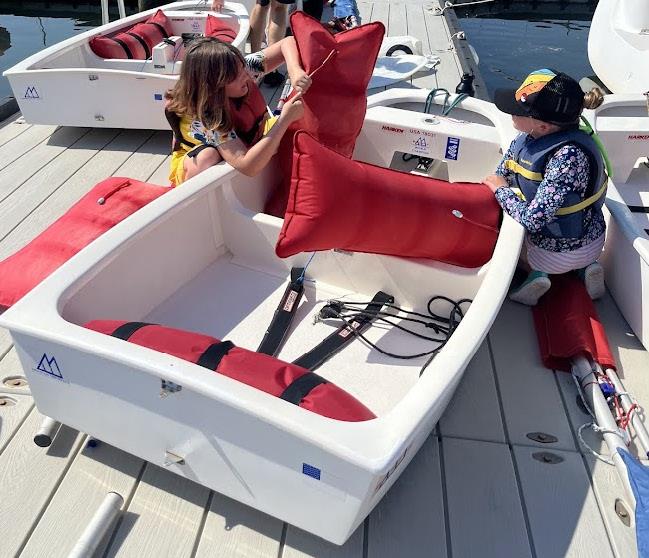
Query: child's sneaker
593	277
533	288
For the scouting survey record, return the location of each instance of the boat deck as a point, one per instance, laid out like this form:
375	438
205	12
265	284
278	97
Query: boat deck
478	487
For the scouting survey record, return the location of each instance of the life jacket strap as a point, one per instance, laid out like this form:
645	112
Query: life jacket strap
344	334
275	335
584	203
513	166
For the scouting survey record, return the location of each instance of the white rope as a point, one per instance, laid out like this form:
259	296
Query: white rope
600	431
450	6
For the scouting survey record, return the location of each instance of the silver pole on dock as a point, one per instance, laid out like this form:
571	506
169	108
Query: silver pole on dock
98	526
46	433
120	7
582	369
105	18
636	419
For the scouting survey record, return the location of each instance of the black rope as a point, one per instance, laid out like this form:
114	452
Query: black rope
348	311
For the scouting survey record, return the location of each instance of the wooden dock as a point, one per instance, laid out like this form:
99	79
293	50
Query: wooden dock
479	487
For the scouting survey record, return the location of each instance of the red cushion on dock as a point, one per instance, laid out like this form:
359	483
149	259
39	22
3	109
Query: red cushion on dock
258	370
83	222
335	202
336	102
219	28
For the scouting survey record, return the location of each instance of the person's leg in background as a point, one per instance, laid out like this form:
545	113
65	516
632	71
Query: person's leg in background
258	18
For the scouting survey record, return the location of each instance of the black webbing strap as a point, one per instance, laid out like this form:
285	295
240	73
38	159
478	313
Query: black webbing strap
214	353
638	209
127	50
145	46
299	388
3	308
129	328
276	332
160	28
344	334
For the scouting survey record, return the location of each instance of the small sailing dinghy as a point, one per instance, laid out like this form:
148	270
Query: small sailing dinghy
618	43
622	124
208	393
115	76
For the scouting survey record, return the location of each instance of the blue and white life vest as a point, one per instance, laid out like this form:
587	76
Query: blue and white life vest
530	156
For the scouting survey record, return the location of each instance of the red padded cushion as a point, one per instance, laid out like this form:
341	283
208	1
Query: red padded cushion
335	202
219	28
83	222
567	325
336	102
139	39
258	370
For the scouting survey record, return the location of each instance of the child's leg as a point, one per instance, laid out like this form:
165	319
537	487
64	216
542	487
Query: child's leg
593	277
534	287
204	159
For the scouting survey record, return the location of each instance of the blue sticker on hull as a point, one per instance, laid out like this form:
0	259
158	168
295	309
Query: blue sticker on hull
311	471
452	148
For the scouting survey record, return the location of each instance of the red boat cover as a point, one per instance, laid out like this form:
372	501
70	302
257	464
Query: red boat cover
82	223
335	202
335	103
567	325
219	28
258	370
130	42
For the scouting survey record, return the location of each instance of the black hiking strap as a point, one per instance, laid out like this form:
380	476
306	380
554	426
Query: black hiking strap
174	122
299	388
214	353
160	28
145	46
275	335
129	328
127	50
344	334
638	209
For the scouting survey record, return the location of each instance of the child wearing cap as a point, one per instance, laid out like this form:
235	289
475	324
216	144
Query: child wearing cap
552	181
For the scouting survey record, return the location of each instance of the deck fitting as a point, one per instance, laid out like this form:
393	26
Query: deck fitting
547	457
542	437
622	512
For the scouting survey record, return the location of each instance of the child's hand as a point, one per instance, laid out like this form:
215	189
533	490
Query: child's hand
493	181
293	109
217	5
300	80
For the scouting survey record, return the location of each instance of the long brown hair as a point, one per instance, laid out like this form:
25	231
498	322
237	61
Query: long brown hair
593	98
209	65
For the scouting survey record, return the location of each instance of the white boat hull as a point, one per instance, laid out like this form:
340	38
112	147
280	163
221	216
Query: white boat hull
618	45
69	85
622	123
202	258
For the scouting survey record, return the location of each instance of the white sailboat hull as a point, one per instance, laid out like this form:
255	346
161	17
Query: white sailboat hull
202	258
67	84
618	45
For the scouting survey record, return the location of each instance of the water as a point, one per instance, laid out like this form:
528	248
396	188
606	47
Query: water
510	45
27	27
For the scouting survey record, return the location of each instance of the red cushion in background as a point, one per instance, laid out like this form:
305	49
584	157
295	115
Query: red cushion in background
335	103
335	202
78	227
151	31
219	28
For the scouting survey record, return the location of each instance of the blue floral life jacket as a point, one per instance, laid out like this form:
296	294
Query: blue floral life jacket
530	157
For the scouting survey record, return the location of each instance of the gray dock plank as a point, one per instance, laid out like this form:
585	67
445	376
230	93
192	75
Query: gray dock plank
233	529
300	544
94	473
12	127
484	505
474	411
409	520
530	397
13	412
29	475
162	519
20	145
563	514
